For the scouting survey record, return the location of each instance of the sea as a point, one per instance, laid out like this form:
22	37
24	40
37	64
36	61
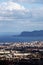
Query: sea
19	39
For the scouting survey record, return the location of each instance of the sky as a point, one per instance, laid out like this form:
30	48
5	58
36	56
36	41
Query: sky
21	15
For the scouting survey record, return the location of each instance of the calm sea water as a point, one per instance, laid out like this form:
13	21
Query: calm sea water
20	39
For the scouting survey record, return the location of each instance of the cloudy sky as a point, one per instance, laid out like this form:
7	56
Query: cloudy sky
21	15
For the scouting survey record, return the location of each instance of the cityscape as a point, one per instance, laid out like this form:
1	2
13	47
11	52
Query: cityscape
30	52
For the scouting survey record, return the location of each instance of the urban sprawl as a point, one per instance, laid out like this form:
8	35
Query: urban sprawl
21	50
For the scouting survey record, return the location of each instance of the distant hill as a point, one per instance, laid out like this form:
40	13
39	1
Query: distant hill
33	33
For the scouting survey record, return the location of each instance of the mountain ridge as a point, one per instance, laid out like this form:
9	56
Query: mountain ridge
29	34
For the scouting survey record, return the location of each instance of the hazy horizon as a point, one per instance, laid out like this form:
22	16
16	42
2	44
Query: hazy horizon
15	33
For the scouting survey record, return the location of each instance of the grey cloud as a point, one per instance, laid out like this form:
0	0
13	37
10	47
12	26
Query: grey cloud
33	14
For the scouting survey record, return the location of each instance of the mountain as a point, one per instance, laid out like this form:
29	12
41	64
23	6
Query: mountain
33	33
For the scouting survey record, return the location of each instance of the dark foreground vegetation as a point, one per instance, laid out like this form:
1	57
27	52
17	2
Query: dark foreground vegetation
22	62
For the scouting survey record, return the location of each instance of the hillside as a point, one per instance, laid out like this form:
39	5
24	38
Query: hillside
33	33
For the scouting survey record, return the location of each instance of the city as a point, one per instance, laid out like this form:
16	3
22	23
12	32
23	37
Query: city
16	52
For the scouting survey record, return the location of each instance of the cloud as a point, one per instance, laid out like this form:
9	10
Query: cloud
29	1
11	6
15	17
11	11
37	14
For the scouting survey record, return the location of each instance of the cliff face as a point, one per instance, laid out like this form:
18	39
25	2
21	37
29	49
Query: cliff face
33	33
